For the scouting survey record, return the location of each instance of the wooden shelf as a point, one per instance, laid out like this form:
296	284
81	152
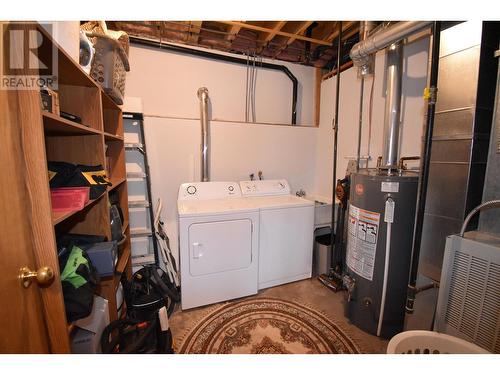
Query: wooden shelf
56	125
123	260
124	226
69	72
59	216
111	137
116	181
109	103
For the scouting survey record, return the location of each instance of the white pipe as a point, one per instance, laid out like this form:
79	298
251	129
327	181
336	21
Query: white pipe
203	96
386	276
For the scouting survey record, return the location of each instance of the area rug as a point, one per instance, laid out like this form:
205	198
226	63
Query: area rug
266	326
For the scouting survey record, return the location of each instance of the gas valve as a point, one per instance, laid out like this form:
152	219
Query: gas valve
342	191
349	285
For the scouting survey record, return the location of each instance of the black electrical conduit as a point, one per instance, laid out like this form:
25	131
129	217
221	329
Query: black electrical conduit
230	59
424	170
336	258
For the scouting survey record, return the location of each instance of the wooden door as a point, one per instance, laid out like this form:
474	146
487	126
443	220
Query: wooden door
32	320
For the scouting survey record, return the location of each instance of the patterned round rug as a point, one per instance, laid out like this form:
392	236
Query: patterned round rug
266	326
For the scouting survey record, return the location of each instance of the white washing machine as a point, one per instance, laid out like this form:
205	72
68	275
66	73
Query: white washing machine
286	231
218	242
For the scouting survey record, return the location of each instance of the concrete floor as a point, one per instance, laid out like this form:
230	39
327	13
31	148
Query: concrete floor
310	292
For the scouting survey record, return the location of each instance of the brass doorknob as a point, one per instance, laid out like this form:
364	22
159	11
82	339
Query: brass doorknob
44	276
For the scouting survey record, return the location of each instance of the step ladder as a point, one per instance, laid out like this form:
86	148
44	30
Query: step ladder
141	210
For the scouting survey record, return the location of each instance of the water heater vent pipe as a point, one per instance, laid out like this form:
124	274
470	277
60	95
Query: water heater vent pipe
393	94
362	55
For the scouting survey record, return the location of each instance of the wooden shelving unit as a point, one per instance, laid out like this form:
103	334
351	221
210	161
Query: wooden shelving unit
56	125
60	216
97	140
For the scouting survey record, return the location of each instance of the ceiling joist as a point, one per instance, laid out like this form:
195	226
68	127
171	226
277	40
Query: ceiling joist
278	32
301	30
270	35
194	31
283	40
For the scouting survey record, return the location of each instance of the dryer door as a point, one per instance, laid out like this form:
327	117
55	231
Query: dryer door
220	246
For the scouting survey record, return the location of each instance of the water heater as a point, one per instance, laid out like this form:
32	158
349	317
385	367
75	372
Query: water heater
379	241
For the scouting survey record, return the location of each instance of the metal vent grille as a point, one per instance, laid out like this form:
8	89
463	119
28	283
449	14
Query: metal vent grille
473	307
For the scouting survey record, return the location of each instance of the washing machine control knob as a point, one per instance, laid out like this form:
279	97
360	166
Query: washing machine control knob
191	189
230	188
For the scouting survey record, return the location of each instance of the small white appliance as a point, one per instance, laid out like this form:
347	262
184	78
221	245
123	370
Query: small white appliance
286	231
468	303
218	242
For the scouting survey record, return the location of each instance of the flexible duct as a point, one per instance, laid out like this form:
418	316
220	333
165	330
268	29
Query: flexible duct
203	96
365	28
360	53
488	204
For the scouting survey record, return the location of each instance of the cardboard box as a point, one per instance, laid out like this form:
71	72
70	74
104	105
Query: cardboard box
86	338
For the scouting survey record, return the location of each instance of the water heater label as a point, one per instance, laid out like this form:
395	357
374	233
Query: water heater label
390	187
362	235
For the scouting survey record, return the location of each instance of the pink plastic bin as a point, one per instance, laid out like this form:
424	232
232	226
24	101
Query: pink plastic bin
69	199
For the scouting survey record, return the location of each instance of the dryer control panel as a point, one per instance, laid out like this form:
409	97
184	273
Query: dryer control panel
208	190
265	187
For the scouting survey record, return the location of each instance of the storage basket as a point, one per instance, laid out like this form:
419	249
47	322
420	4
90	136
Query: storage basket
428	342
109	66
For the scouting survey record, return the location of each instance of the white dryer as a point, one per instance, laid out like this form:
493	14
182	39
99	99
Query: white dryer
218	242
286	231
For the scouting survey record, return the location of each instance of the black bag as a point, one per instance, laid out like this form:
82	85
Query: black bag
79	280
62	174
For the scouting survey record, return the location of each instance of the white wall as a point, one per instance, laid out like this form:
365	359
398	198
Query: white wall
67	34
413	110
237	150
168	83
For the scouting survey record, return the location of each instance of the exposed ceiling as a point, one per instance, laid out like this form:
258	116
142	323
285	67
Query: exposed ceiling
310	43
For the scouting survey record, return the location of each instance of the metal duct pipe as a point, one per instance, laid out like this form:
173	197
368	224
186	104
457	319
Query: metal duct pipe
392	104
203	96
360	53
365	28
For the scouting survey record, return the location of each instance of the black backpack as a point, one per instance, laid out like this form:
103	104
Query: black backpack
79	279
